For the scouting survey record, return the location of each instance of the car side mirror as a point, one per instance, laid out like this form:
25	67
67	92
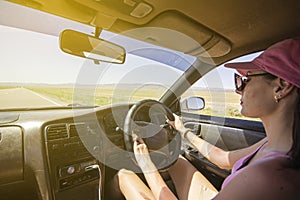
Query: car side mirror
90	47
193	103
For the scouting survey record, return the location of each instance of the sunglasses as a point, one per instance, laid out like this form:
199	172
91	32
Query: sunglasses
240	81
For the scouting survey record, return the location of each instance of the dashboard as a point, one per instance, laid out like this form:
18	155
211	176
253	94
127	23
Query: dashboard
74	153
60	153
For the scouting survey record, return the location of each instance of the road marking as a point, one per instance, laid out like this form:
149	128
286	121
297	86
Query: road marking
43	97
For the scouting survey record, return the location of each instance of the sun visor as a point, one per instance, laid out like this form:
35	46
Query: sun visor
176	31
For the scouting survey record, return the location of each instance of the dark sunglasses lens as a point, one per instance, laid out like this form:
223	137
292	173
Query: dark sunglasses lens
239	85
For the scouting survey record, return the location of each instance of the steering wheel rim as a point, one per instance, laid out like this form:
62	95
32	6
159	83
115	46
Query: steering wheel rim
174	144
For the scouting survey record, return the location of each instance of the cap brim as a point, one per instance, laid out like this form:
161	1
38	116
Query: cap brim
242	67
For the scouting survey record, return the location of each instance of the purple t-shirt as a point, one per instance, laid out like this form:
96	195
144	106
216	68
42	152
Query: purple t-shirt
241	163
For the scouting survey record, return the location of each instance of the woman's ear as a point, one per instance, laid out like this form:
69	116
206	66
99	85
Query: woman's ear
283	88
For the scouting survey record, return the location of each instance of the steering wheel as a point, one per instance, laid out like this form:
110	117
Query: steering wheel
163	142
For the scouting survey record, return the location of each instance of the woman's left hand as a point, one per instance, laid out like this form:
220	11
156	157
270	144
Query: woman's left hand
142	155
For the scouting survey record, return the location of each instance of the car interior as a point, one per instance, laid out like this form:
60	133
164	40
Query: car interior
74	152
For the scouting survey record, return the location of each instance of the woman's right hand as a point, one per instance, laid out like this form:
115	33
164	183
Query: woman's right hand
142	155
177	124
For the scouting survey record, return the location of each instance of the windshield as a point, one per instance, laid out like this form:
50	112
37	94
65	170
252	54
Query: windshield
35	73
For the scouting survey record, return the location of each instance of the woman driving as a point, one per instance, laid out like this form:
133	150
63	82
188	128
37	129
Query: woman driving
269	87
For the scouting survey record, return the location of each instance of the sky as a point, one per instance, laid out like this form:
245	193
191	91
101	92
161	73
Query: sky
31	57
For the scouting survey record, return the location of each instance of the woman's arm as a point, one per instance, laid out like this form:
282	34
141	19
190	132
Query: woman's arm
221	158
156	183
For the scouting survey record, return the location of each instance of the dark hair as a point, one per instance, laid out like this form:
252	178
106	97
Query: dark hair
270	76
294	152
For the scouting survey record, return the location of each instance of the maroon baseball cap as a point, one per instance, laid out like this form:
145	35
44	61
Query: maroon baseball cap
281	59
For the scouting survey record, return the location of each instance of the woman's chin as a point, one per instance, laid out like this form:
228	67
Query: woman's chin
248	114
245	113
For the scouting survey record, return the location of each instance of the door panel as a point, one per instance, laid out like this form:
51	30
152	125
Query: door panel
225	133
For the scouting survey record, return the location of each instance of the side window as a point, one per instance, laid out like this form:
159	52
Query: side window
217	88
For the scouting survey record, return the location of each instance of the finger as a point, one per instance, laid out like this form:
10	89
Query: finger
135	145
142	148
134	136
171	123
140	140
168	120
176	117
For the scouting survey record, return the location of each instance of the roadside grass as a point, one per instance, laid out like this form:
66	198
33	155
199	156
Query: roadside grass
217	102
6	87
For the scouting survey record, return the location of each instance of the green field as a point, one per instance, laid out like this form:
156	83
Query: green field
217	102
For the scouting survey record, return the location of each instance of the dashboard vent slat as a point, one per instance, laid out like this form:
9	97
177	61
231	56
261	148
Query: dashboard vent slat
76	129
73	130
56	132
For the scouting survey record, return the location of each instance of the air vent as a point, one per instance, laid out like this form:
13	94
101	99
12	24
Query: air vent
74	129
55	132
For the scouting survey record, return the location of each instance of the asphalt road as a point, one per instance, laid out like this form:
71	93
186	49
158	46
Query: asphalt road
24	98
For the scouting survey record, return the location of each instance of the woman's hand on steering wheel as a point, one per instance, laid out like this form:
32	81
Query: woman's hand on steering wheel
177	124
161	146
142	155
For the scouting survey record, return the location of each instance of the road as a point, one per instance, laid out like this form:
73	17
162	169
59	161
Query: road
24	98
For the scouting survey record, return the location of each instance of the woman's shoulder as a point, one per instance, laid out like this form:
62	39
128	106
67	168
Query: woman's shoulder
275	174
269	178
275	164
272	161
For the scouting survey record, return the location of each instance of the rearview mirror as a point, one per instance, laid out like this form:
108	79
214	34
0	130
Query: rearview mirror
192	103
90	47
